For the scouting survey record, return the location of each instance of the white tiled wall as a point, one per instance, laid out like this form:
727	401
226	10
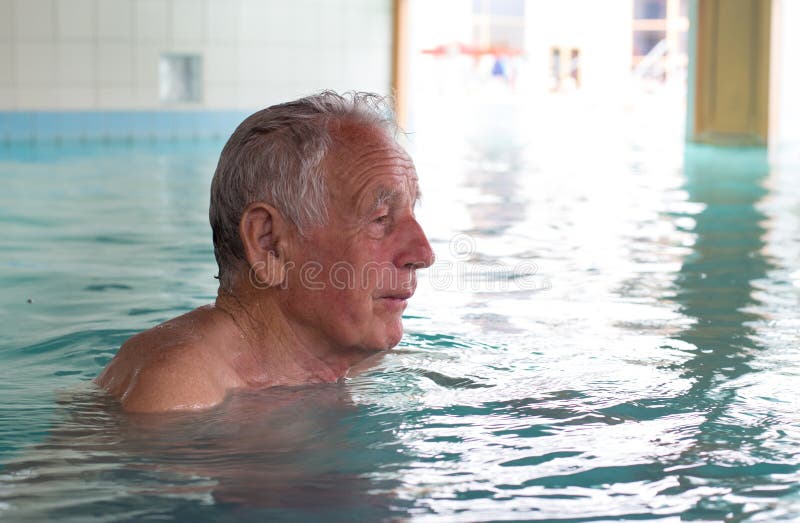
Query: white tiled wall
103	54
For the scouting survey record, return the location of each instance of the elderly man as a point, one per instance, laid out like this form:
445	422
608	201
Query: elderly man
312	213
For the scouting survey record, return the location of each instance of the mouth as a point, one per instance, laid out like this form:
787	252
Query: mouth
405	295
396	300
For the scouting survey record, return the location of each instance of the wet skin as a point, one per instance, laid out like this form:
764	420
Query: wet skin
306	308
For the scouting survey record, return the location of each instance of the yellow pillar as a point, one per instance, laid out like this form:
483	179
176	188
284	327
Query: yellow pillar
731	72
400	60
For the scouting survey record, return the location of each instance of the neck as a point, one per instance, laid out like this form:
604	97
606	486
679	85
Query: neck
273	350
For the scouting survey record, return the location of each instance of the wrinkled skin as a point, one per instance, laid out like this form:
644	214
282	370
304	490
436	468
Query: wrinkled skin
306	307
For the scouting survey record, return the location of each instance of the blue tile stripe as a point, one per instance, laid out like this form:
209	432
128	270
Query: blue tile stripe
90	126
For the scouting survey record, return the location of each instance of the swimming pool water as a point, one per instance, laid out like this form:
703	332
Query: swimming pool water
610	333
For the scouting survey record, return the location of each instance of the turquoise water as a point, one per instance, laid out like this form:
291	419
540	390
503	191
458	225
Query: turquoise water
610	333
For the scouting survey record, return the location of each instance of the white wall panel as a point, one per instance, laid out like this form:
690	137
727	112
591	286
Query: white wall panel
331	68
222	96
38	98
152	17
114	97
115	64
146	55
8	78
8	29
284	25
189	23
105	53
303	60
35	63
375	32
75	19
375	72
331	28
256	16
258	65
223	20
75	64
221	64
34	19
309	25
257	96
114	19
76	97
8	98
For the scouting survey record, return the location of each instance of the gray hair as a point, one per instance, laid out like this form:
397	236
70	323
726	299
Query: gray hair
276	156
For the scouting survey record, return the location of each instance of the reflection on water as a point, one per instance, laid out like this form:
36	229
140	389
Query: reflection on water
716	282
288	451
715	287
616	340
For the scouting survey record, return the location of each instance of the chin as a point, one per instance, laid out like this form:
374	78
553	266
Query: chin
387	341
394	339
374	335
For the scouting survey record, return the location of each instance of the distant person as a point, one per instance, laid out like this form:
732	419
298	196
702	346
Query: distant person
499	68
312	213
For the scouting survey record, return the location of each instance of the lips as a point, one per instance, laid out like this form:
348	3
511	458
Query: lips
395	301
399	292
405	295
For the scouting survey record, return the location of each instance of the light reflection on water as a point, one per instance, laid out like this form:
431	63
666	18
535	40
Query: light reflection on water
635	358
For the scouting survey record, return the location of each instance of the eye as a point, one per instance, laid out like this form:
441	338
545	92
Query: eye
381	215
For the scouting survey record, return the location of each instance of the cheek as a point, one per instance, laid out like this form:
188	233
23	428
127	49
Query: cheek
343	302
335	289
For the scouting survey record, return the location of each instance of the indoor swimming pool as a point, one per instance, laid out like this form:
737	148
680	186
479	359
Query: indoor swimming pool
610	332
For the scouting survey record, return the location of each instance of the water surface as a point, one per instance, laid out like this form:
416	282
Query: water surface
609	333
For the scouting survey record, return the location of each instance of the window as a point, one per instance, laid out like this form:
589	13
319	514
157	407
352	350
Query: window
506	35
499	23
555	68
575	66
649	9
515	8
179	78
507	8
645	41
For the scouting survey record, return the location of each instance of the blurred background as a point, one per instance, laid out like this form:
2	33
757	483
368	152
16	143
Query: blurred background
152	69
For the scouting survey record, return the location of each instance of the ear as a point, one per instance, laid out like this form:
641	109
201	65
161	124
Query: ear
262	230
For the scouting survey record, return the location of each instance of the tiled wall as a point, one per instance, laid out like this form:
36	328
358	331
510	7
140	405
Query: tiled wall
139	125
76	60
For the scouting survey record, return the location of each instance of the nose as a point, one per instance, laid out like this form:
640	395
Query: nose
415	251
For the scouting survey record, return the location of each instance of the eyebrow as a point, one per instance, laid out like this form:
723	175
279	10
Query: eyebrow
381	197
384	195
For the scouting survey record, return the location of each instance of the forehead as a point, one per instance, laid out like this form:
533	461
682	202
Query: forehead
365	159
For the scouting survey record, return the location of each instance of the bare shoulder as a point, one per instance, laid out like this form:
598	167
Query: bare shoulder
176	365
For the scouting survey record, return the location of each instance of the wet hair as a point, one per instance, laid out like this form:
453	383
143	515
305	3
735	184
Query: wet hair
276	156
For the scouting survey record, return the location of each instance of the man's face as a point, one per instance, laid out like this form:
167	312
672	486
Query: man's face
352	278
